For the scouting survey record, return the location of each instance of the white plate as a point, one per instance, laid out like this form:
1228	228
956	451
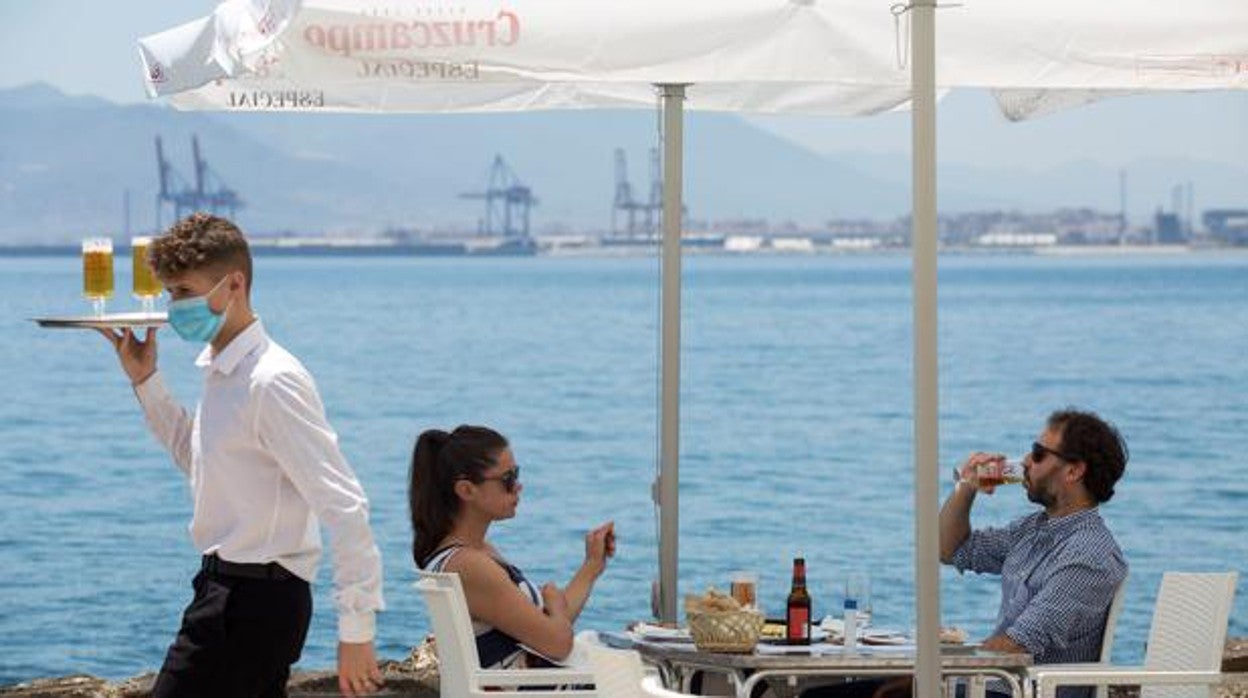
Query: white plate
106	321
884	637
659	633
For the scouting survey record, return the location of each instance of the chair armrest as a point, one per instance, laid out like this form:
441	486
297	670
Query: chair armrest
1047	681
534	677
1036	669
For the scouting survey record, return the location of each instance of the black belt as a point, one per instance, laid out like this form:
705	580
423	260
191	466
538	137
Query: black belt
249	570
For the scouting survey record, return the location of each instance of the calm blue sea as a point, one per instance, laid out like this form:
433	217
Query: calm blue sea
796	426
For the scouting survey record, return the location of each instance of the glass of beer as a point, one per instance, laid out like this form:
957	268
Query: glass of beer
994	474
97	272
146	287
744	588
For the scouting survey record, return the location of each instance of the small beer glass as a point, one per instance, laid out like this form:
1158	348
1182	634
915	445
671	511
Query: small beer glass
994	474
146	287
744	588
97	272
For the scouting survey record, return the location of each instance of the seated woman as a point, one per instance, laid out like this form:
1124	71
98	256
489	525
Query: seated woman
462	482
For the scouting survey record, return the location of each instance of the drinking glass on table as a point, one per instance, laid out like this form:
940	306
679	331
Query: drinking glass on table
858	587
744	588
97	272
146	287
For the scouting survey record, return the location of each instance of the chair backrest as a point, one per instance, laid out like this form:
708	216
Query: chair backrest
617	673
1111	625
1189	628
452	628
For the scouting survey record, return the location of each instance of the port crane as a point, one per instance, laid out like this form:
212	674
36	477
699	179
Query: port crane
629	207
208	193
507	202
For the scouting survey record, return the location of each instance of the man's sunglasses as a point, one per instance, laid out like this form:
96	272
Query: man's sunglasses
508	480
1039	451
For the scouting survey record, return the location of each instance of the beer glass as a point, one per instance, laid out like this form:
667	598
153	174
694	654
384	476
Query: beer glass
146	287
97	272
994	474
744	588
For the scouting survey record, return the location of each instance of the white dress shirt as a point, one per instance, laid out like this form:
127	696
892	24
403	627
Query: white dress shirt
264	467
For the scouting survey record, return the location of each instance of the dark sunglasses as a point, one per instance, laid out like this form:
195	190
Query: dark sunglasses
1039	451
508	480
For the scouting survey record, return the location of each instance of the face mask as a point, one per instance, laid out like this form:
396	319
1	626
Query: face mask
194	320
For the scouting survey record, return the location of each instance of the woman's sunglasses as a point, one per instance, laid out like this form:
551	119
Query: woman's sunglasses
508	480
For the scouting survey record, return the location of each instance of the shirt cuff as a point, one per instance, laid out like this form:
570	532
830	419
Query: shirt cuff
1026	638
151	388
357	627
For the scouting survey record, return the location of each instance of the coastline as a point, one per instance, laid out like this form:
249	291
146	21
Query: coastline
367	248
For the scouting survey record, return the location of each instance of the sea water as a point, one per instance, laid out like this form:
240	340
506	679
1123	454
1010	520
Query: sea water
796	427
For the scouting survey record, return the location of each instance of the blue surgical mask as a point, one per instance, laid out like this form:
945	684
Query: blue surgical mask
194	320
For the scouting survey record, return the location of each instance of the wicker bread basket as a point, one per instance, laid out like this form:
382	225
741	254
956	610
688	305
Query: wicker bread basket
731	632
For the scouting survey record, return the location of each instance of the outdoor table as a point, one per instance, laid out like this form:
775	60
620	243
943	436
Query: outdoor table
677	661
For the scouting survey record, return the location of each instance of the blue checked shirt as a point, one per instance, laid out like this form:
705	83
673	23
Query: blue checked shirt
1058	577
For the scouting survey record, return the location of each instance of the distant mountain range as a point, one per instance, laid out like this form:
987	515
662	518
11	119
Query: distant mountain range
66	162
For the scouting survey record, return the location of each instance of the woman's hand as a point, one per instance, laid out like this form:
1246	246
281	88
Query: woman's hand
600	547
554	601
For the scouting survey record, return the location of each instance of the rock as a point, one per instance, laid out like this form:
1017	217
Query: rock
401	681
77	686
1235	655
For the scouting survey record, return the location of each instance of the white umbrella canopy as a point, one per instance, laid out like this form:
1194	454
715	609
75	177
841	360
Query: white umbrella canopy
835	57
838	57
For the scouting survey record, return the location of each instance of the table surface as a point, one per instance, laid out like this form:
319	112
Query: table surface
825	656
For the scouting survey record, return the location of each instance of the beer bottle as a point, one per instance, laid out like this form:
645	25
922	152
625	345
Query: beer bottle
797	609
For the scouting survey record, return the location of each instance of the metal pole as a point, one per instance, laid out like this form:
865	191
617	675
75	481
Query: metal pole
926	417
669	359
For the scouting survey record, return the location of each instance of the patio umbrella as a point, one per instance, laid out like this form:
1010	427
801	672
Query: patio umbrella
836	57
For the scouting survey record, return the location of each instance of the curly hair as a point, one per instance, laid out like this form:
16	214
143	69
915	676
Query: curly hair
200	241
1088	438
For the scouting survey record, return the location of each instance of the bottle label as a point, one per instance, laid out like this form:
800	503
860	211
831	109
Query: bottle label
799	624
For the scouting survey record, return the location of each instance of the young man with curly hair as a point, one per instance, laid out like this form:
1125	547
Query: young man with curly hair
265	471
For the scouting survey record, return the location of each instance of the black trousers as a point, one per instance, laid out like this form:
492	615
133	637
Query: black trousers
238	638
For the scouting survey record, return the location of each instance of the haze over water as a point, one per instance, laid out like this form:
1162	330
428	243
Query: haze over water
796	426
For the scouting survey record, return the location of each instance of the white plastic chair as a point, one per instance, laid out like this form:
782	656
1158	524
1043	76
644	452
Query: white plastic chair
652	687
1183	658
1107	644
617	673
458	663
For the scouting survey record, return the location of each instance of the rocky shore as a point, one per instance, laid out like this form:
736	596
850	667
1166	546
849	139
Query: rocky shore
413	679
407	678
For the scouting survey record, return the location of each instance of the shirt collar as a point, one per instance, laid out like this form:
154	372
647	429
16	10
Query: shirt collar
1069	522
239	348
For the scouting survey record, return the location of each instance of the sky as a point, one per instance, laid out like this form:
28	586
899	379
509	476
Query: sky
88	47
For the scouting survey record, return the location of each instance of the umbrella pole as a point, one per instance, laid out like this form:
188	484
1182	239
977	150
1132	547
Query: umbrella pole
926	404
669	360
